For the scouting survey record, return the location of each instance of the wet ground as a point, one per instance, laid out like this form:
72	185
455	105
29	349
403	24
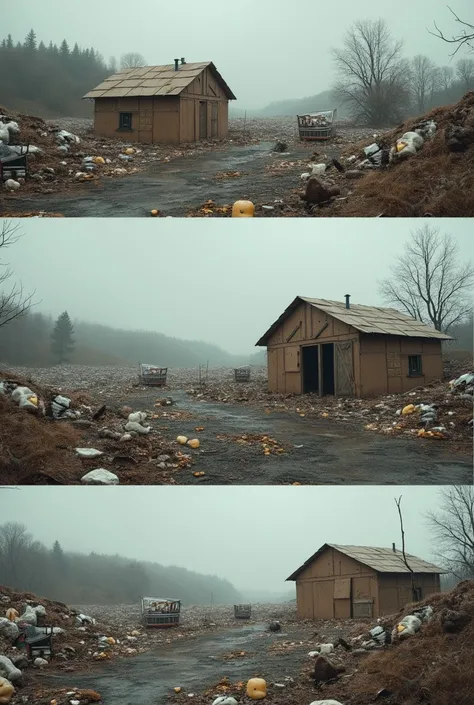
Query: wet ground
148	679
176	187
318	451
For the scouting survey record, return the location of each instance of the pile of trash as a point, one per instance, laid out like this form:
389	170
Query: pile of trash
58	157
423	167
326	180
48	437
425	649
440	411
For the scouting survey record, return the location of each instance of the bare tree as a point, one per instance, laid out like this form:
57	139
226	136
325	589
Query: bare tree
465	38
13	303
428	282
424	80
414	596
132	60
16	545
453	530
465	73
372	74
446	77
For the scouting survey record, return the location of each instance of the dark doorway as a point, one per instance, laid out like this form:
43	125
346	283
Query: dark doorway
202	120
310	368
328	368
214	120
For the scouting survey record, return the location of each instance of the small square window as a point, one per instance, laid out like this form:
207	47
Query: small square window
125	121
414	366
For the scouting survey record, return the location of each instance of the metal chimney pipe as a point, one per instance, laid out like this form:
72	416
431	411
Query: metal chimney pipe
348	296
176	64
393	548
183	61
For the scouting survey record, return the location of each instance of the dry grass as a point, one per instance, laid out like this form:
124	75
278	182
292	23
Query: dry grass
428	668
435	183
34	448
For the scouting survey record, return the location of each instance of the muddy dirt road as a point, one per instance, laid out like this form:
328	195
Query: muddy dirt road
149	678
318	451
177	186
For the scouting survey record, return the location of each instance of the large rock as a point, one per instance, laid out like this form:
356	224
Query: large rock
459	139
325	671
452	622
8	670
8	630
316	192
20	661
100	477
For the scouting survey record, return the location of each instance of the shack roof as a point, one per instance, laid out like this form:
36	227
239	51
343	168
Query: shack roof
148	81
383	560
366	319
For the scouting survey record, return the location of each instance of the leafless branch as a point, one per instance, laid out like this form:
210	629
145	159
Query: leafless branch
398	502
465	38
13	303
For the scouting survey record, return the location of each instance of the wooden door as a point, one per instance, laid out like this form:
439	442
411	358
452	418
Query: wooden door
342	598
343	369
214	120
202	120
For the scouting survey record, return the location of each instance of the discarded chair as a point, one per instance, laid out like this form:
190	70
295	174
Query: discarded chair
152	376
40	646
242	374
159	612
317	126
242	611
14	166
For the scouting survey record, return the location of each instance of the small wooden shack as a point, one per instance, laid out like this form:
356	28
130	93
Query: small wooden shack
167	104
349	582
338	348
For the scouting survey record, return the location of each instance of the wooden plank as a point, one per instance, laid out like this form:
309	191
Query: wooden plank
321	330
343	369
293	332
342	588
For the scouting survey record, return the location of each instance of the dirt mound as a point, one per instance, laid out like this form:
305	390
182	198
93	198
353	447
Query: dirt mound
436	182
429	667
39	448
34	450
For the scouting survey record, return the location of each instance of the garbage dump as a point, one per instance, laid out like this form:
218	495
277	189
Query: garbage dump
81	439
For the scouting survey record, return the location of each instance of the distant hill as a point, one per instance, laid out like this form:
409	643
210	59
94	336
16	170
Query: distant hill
262	596
295	106
27	341
147	346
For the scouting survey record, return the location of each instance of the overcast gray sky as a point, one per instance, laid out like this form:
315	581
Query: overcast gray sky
265	50
221	281
253	536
